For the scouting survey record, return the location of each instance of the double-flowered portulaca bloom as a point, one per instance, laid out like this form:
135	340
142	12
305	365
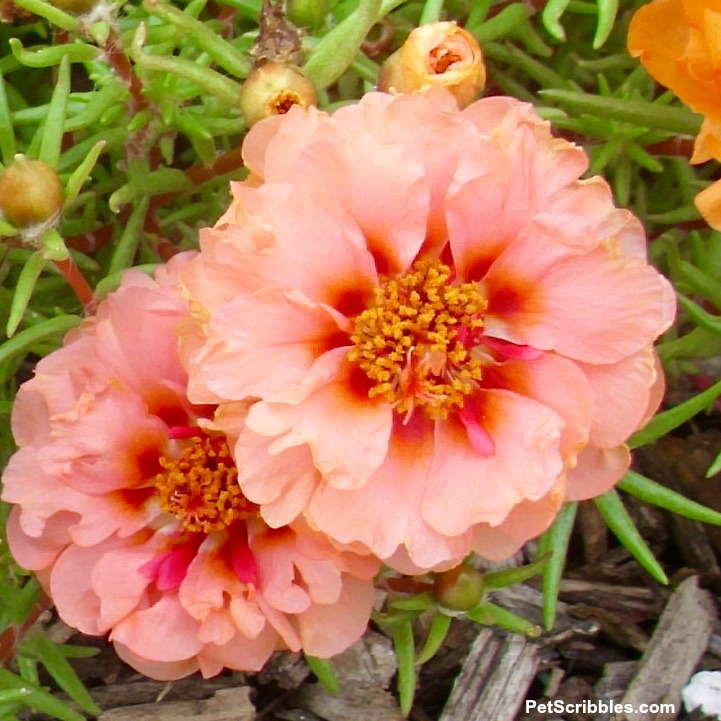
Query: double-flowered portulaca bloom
129	511
442	332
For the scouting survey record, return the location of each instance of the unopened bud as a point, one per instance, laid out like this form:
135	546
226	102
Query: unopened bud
74	7
30	193
437	54
273	89
307	13
460	588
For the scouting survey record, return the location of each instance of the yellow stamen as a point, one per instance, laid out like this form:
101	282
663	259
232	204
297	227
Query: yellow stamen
201	487
410	342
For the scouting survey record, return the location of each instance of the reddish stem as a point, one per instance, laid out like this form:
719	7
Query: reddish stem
77	281
119	62
12	635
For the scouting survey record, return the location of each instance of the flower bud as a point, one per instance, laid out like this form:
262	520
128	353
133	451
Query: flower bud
437	54
30	193
459	588
307	13
272	89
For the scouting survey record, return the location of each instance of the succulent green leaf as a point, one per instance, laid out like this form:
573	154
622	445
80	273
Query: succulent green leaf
623	527
222	52
49	12
638	112
7	134
652	492
489	614
336	50
437	632
503	24
555	541
82	172
127	246
510	576
551	15
206	79
431	12
24	290
607	11
419	602
53	127
37	698
23	341
49	57
666	421
324	672
53	246
38	645
404	647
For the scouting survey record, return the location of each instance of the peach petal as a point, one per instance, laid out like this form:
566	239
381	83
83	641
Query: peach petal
555	382
463	486
272	147
625	302
117	581
274	323
162	632
621	396
240	653
597	471
327	630
158	670
35	553
344	169
292	473
387	509
71	586
527	520
345	461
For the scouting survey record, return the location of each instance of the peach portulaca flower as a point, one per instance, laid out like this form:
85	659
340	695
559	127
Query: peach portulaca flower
444	332
439	54
129	511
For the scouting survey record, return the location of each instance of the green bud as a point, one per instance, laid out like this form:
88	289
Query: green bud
272	89
460	588
307	13
30	193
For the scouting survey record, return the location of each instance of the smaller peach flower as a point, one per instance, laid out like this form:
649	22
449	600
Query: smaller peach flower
127	507
437	54
679	44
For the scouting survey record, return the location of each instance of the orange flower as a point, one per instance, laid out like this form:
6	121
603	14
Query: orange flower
436	54
679	44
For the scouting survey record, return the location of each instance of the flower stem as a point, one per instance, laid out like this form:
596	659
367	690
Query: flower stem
77	281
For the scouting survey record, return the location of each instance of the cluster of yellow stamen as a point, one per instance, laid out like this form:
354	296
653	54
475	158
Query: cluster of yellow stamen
410	341
200	487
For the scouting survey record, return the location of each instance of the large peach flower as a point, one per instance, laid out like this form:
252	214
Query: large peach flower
679	44
130	514
444	331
